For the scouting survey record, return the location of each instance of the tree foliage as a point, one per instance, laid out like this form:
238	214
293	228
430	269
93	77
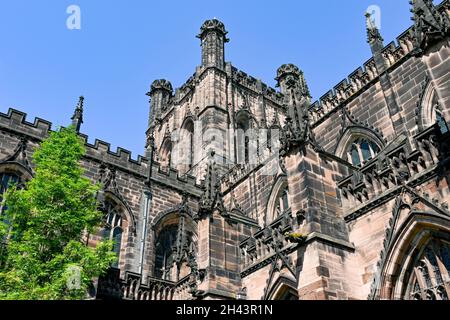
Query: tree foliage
44	227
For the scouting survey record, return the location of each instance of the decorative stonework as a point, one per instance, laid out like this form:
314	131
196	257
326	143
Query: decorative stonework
333	216
212	25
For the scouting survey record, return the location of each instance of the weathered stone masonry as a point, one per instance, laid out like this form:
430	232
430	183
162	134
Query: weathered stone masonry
353	206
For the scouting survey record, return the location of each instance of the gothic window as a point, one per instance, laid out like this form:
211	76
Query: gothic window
282	203
188	144
113	228
6	180
430	277
242	139
164	255
362	150
166	153
173	244
430	111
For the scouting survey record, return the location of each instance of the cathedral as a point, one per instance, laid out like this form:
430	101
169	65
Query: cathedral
252	192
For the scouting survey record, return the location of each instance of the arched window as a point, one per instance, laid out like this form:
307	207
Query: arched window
278	203
113	228
164	255
7	180
436	115
430	279
430	112
362	150
242	139
188	144
175	244
166	153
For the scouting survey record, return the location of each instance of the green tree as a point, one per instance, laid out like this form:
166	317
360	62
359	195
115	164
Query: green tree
44	226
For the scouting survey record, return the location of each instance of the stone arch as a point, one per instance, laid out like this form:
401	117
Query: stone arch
18	169
352	133
279	186
407	245
429	111
283	289
118	222
246	144
358	145
187	143
176	238
165	153
246	115
12	173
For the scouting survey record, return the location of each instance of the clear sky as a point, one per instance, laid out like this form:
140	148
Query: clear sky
123	46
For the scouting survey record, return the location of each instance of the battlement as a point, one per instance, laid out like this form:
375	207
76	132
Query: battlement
247	81
15	121
360	79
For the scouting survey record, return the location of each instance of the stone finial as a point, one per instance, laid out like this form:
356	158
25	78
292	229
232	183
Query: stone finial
289	77
160	84
373	33
430	25
77	118
213	25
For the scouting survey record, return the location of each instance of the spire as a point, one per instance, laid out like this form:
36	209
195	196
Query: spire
373	33
77	118
430	25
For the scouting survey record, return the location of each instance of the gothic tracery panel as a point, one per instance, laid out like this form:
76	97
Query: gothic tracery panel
430	278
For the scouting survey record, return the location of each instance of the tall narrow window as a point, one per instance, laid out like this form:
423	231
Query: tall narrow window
242	139
166	153
113	227
6	180
188	138
164	255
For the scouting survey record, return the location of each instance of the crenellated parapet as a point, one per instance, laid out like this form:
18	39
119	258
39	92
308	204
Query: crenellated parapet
358	81
100	152
243	79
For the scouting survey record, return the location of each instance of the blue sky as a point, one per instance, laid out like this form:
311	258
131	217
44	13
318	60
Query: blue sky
124	45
